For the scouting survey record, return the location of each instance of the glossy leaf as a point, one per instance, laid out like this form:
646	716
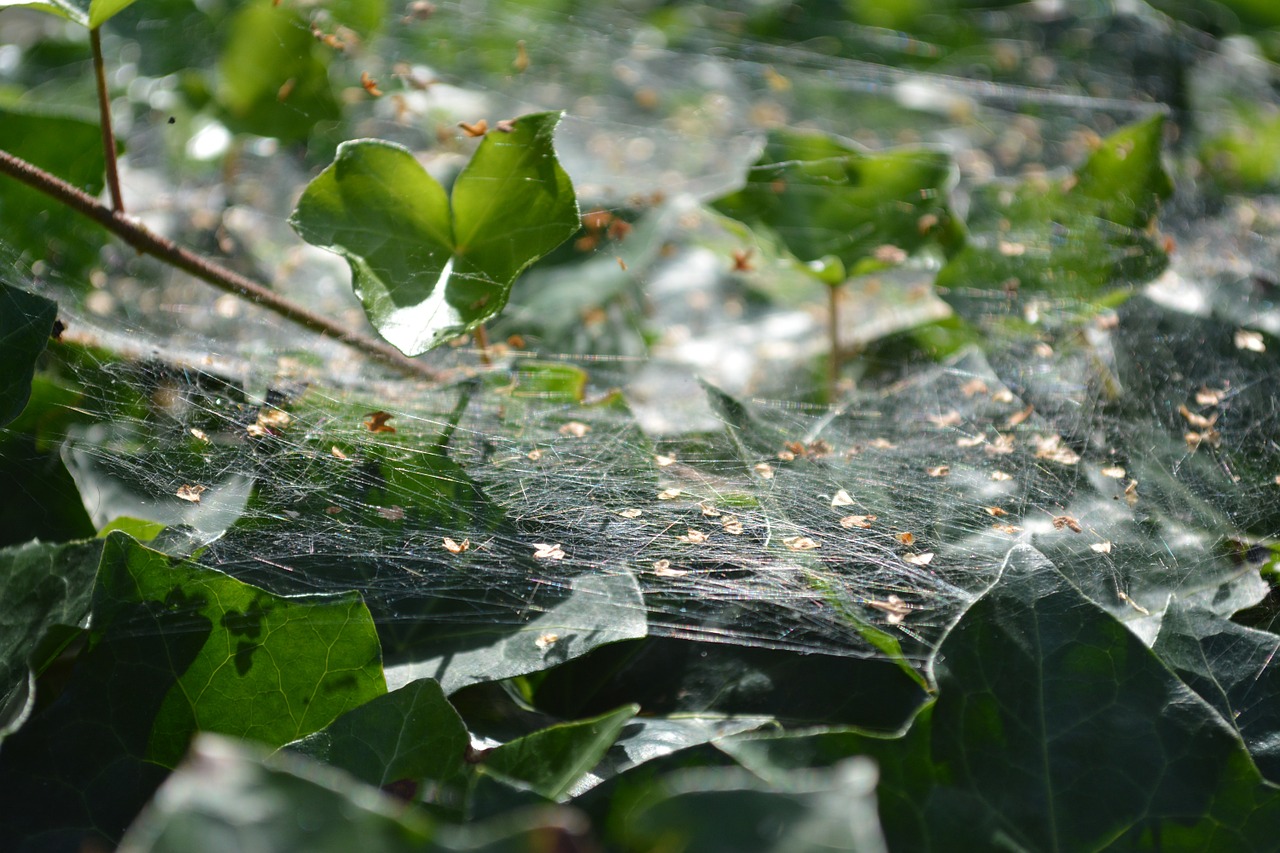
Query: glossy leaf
824	197
552	761
408	734
429	267
92	14
41	585
26	321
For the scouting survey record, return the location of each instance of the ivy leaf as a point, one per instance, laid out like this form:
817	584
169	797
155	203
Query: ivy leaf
428	266
1085	237
26	320
551	761
410	733
823	197
92	14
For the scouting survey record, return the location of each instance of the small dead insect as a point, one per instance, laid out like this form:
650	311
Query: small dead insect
1207	396
191	493
286	89
708	510
336	452
455	547
662	568
859	521
1052	448
1001	476
996	511
742	260
764	470
622	265
370	85
328	39
1072	524
1008	529
1197	421
894	606
199	435
480	128
377	421
1115	472
1101	547
1131	493
545	551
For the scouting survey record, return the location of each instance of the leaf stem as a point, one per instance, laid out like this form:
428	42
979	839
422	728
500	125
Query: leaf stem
482	341
833	340
104	118
148	242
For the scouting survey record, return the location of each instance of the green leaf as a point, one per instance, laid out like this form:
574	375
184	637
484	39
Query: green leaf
101	11
429	267
823	197
69	145
228	795
551	762
272	76
26	321
1083	238
411	733
73	10
727	810
41	585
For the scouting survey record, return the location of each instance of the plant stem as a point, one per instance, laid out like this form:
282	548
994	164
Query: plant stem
148	242
482	341
833	340
104	118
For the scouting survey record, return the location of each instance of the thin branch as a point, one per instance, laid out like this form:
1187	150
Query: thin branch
104	119
150	243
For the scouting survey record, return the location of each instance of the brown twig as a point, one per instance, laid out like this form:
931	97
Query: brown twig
104	118
482	342
150	243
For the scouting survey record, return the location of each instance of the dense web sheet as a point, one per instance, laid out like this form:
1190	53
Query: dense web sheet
730	508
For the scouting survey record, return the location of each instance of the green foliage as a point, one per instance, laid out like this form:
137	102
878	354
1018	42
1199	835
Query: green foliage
91	14
430	266
26	321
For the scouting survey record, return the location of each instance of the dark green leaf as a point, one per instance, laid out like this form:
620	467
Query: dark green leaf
552	761
428	268
26	321
823	197
408	734
41	585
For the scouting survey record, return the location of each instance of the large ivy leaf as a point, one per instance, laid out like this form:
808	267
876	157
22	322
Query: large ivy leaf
69	145
26	321
1084	237
427	266
41	585
551	762
408	734
824	197
272	76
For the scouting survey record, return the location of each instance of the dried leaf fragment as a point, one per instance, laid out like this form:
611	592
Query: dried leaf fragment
669	494
662	568
191	493
732	525
1002	446
693	537
1101	547
664	460
1007	528
841	498
708	510
764	470
534	455
370	85
918	559
480	128
996	511
905	538
1115	472
800	543
1001	476
1067	521
1207	396
881	444
938	471
630	513
1131	493
199	435
1197	421
546	641
455	547
861	522
1051	448
544	551
576	429
391	513
377	421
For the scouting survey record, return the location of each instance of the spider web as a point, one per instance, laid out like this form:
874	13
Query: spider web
659	453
